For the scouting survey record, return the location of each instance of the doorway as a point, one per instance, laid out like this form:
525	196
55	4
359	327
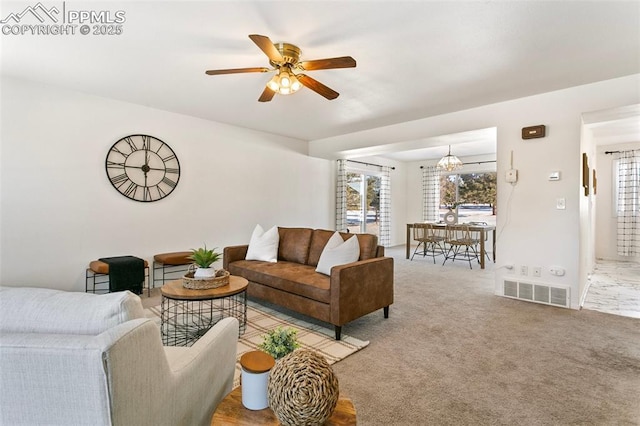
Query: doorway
363	203
612	283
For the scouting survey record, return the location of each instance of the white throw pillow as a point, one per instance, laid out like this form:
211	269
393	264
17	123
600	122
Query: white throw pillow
263	245
338	252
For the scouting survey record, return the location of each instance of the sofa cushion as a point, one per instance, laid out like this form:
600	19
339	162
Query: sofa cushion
338	252
368	245
43	310
263	245
318	241
291	277
294	244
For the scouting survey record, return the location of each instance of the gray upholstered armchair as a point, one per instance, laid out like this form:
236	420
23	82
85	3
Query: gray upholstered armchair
82	359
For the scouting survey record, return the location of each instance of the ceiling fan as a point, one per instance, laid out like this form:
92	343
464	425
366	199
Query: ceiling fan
285	60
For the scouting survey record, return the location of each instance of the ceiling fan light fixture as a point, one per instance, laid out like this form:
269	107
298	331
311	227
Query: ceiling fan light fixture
288	81
449	162
295	84
284	58
273	84
285	82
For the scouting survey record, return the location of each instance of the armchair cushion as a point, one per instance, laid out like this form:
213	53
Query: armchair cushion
43	310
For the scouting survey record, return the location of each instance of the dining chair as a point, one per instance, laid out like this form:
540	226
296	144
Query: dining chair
431	239
476	235
462	245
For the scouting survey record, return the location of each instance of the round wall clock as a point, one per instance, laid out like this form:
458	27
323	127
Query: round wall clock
142	168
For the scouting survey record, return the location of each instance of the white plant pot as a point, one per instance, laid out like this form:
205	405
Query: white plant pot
204	273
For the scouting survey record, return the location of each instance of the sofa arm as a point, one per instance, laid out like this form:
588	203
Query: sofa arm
233	253
360	288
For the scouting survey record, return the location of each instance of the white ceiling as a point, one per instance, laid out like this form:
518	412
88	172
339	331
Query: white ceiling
466	144
414	59
614	126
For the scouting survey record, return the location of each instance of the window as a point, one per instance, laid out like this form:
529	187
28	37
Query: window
473	193
363	203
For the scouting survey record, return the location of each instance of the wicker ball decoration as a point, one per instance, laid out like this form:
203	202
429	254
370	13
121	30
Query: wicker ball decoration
302	389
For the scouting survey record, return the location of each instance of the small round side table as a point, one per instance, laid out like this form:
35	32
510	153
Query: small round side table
232	412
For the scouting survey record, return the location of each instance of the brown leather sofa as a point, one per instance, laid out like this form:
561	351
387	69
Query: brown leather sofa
353	290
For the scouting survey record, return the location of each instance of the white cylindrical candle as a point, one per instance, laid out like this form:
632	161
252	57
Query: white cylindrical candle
255	377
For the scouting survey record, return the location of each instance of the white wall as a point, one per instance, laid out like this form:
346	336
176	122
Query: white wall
530	230
56	201
606	224
58	210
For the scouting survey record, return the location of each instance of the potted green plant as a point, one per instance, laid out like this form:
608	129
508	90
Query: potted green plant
280	342
204	258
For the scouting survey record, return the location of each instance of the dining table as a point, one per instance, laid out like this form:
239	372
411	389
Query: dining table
484	229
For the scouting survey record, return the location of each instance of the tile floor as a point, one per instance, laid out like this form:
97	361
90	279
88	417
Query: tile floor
615	288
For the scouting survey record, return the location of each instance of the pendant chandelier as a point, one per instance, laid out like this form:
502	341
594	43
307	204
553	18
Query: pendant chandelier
449	162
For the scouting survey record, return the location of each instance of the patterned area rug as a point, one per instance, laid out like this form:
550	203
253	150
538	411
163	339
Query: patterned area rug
261	319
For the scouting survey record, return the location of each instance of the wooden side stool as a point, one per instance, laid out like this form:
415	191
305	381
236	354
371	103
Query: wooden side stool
171	264
97	277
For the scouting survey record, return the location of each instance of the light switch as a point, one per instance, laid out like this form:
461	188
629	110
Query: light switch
561	204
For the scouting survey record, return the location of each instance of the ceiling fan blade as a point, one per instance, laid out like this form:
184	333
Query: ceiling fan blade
266	45
267	95
237	70
329	63
317	87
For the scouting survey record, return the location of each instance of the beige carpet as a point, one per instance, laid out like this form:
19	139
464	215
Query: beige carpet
261	319
453	353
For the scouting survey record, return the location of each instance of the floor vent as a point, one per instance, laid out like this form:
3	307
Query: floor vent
538	293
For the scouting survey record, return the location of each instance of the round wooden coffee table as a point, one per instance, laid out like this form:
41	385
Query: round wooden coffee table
232	412
188	314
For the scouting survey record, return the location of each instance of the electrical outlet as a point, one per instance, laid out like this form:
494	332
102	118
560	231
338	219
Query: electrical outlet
524	270
537	271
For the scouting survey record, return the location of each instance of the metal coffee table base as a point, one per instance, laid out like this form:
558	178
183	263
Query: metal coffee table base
185	321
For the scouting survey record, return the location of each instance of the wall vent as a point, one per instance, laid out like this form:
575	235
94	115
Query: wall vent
536	292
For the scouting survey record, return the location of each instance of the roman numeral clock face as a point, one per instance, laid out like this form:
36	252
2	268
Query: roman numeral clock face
142	168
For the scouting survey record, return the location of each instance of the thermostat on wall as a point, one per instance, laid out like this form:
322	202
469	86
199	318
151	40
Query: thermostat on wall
554	176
